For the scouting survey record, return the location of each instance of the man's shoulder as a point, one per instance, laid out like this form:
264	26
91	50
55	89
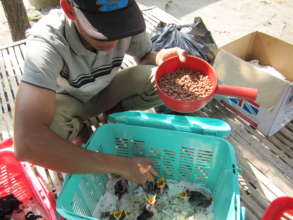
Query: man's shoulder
49	26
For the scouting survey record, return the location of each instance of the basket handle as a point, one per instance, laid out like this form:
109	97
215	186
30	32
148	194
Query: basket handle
199	125
242	213
6	143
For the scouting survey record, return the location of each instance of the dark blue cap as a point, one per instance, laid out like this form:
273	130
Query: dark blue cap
109	20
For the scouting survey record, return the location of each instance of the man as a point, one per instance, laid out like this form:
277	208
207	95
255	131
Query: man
71	74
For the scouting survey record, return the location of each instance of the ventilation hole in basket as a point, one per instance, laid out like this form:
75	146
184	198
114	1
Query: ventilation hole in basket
138	147
122	146
287	215
156	163
185	173
201	173
153	152
169	155
168	169
186	158
185	169
122	143
78	205
204	156
187	149
86	189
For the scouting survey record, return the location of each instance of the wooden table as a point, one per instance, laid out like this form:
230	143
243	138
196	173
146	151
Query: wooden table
267	162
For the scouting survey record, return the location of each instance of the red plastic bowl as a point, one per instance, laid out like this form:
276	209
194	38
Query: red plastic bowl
198	64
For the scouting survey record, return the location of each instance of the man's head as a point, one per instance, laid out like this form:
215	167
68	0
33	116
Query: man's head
105	20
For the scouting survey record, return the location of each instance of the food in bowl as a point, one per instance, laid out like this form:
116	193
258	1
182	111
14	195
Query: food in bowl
185	84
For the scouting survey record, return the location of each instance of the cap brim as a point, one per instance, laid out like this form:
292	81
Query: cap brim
113	25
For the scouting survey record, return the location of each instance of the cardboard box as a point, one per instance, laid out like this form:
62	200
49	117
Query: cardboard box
273	108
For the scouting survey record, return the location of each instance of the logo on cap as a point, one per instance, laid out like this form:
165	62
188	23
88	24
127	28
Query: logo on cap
111	5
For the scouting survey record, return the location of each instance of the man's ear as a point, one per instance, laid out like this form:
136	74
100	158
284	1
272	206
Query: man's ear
68	9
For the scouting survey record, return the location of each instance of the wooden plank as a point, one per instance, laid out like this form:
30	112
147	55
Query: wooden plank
286	141
4	117
20	58
290	126
53	179
261	157
249	215
271	146
251	205
56	180
280	145
16	43
253	134
40	171
254	184
267	185
22	49
6	97
161	15
287	133
257	137
266	163
7	73
154	16
16	68
16	74
255	179
10	74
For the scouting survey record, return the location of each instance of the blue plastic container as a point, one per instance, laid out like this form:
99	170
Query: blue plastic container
181	148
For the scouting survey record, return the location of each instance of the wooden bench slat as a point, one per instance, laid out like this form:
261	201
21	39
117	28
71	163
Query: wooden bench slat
10	83
280	145
19	58
253	134
270	165
257	181
16	68
15	73
6	98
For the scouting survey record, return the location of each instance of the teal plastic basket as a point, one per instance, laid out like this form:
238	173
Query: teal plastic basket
177	151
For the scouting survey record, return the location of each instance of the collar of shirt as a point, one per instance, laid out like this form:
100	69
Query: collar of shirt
74	40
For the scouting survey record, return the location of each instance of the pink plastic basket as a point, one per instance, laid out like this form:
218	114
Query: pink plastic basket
280	209
19	179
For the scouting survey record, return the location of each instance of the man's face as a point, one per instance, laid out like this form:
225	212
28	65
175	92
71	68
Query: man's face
91	43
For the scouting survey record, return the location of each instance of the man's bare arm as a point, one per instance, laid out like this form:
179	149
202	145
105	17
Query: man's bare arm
36	143
156	58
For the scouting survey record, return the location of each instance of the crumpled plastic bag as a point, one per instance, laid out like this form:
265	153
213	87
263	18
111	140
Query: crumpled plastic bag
194	38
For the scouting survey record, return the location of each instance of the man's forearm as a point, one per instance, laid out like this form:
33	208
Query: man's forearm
46	149
156	58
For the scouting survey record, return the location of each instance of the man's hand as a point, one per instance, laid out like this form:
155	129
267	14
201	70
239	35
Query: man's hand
138	170
157	58
165	54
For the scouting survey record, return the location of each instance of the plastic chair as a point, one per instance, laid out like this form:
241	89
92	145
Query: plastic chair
19	179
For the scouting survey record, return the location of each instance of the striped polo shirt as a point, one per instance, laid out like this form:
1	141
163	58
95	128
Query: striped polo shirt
56	59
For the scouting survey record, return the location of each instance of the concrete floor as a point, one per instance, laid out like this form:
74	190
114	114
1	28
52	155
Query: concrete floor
226	19
230	19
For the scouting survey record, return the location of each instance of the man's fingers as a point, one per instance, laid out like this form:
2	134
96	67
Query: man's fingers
149	177
153	172
182	55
